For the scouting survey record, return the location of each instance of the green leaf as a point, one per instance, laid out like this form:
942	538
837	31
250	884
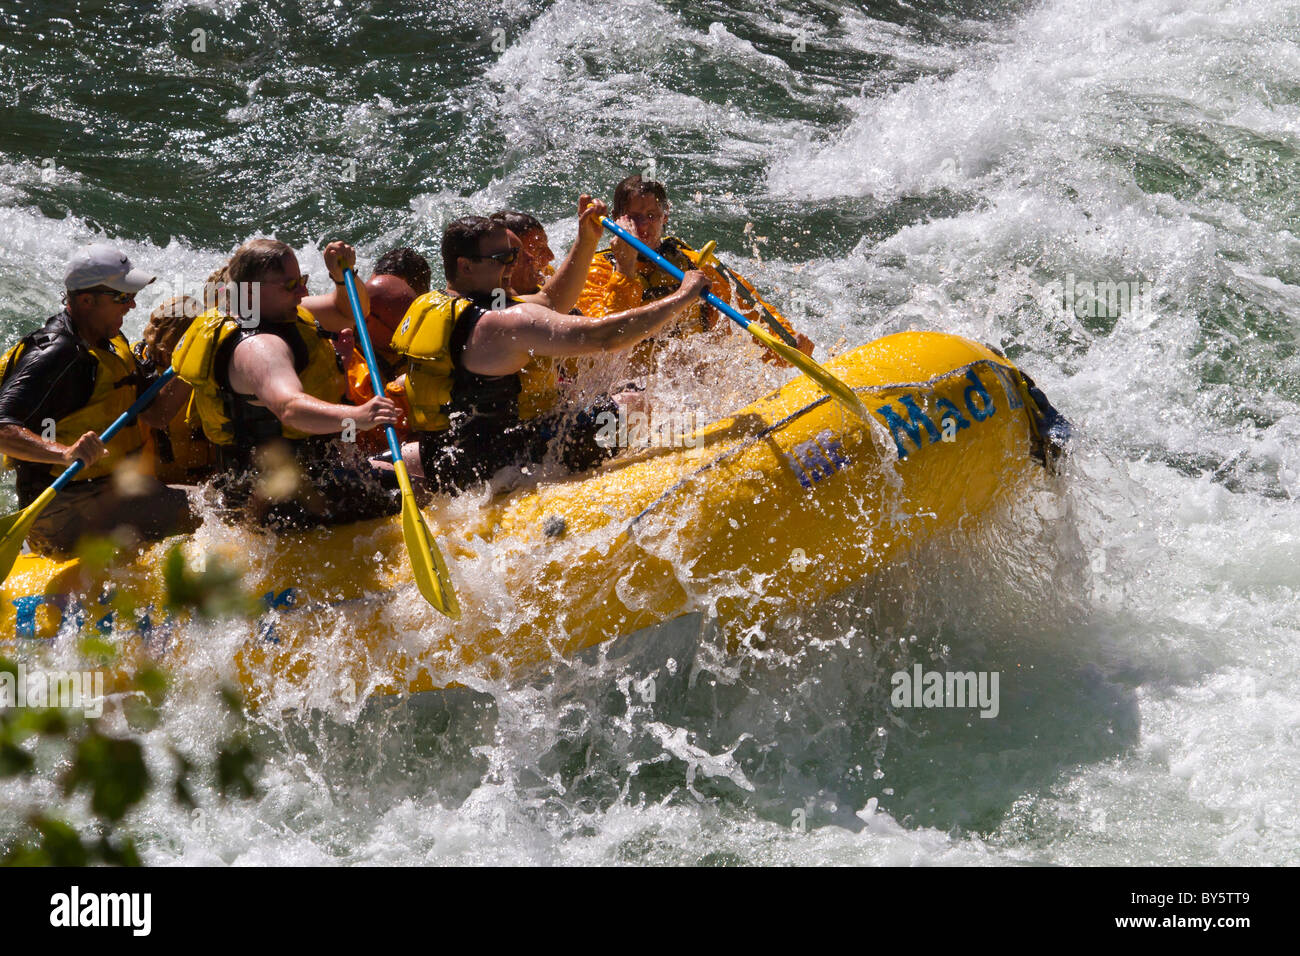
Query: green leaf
48	721
113	770
235	762
212	592
182	792
97	650
13	759
153	682
59	845
96	554
25	855
123	853
141	715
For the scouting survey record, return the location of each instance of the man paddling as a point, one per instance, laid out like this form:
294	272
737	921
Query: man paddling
64	384
399	276
269	390
468	346
619	279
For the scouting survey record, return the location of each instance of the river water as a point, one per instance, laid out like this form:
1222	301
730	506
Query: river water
979	168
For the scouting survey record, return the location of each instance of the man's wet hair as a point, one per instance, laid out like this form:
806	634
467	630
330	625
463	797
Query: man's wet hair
258	258
637	186
517	222
462	237
408	265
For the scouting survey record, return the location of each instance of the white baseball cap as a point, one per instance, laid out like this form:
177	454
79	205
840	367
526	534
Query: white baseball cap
102	264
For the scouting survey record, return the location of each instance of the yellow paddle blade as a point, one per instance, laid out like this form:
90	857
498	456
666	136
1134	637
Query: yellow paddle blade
704	256
431	575
833	386
13	531
14	528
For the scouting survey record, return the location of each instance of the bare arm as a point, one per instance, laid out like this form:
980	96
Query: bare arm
561	290
25	444
334	311
325	310
263	366
172	398
503	342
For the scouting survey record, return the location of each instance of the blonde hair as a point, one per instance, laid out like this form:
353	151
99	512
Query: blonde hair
214	289
167	323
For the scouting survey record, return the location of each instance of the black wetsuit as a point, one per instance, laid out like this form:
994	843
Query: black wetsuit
52	377
340	485
485	432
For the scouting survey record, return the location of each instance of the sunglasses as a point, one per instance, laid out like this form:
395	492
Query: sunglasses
121	298
506	258
293	285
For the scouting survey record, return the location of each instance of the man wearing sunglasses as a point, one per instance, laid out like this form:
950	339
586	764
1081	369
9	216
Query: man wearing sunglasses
533	267
621	279
62	385
270	392
468	346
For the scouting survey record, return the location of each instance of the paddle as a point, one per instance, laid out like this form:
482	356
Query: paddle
14	527
705	255
430	570
833	386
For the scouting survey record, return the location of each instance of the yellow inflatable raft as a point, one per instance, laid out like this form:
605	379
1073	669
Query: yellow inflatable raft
784	503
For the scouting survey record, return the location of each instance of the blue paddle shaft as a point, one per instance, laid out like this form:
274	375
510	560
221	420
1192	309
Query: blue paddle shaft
671	269
368	350
118	424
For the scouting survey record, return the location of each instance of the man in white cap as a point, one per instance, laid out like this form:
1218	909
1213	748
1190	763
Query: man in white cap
66	382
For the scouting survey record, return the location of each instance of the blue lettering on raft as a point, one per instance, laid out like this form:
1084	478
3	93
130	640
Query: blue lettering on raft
26	605
979	405
25	614
286	600
817	458
911	427
951	420
977	390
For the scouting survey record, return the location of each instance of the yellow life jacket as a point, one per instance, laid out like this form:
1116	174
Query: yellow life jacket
218	408
116	376
539	387
179	454
7	360
657	284
6	363
424	336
